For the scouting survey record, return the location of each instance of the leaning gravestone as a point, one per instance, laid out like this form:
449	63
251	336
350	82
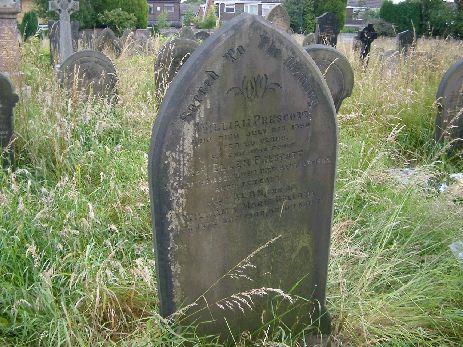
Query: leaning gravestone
202	35
169	60
8	100
89	72
53	35
106	40
279	17
64	8
336	69
309	39
449	121
242	167
405	41
187	33
327	29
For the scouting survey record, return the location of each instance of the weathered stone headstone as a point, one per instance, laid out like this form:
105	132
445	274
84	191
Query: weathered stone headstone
106	40
336	69
169	60
8	100
53	35
449	121
187	33
64	8
405	41
242	168
327	30
309	39
90	73
202	35
279	17
366	36
10	55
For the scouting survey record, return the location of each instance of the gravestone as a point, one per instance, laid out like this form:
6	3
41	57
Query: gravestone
106	40
53	35
336	69
187	33
327	30
449	120
405	41
8	100
202	35
279	17
90	73
169	60
309	39
366	36
64	8
10	55
242	166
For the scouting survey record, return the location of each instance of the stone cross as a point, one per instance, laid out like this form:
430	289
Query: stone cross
64	8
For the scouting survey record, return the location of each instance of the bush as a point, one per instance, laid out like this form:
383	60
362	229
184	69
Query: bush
118	20
29	25
188	17
209	22
405	15
162	21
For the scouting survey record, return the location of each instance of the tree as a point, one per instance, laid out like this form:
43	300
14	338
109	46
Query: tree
162	20
309	16
406	15
118	20
29	25
188	17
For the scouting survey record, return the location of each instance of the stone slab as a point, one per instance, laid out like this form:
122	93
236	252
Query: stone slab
8	100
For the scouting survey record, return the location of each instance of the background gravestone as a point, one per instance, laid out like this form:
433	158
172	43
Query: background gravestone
106	40
169	60
10	55
405	41
449	121
187	33
279	17
309	39
93	72
242	166
327	30
53	35
336	69
202	35
8	100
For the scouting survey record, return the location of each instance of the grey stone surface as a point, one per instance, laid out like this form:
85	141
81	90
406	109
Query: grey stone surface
202	35
53	35
93	72
106	40
279	17
242	168
336	69
187	33
449	120
10	6
405	41
327	29
64	8
8	100
309	39
169	60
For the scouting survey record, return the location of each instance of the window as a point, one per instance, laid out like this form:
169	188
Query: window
158	9
230	8
150	8
169	8
266	8
252	9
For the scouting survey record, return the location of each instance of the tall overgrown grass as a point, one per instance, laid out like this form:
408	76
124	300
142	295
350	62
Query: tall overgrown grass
76	258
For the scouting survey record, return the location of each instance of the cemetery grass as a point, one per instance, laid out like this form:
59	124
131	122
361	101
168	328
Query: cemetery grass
76	254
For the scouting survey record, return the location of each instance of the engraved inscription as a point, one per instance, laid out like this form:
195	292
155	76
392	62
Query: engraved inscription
254	87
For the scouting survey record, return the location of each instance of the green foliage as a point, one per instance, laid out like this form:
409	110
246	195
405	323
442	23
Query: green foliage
118	20
336	6
209	21
162	20
405	15
29	25
309	16
188	17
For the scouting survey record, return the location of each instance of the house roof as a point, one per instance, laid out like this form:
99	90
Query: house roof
365	3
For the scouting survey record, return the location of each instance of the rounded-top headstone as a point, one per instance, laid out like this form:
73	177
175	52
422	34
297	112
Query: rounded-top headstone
202	35
336	69
242	166
8	100
187	33
169	60
90	72
279	17
309	39
449	121
327	29
106	40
